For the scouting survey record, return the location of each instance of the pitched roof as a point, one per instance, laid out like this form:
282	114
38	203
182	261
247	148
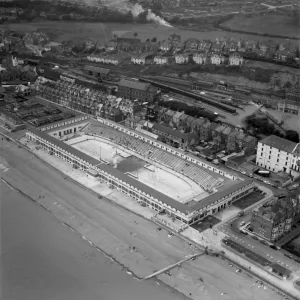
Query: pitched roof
279	143
96	69
134	84
219	195
170	131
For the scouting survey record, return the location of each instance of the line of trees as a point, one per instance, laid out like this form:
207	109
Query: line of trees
260	125
192	111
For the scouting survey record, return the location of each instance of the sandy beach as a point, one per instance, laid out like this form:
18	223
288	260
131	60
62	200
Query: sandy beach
116	230
42	259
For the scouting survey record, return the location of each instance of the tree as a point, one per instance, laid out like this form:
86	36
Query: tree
292	135
135	35
154	40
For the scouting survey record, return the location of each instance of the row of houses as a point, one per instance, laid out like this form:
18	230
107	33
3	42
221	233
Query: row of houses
98	103
174	44
181	130
70	95
234	59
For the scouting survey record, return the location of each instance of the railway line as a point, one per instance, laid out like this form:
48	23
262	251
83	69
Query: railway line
185	92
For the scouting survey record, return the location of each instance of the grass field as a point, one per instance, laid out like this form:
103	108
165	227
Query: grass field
278	25
60	31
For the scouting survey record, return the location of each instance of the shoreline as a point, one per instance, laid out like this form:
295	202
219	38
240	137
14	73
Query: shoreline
170	282
112	258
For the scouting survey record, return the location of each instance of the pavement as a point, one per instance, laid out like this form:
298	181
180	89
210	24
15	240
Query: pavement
256	246
116	230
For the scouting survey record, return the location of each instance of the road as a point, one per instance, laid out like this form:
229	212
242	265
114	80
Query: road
246	240
113	227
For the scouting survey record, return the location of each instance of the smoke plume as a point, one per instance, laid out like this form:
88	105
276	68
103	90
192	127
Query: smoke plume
125	6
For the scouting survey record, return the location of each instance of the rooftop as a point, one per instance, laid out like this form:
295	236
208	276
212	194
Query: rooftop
170	131
96	69
134	84
184	208
279	143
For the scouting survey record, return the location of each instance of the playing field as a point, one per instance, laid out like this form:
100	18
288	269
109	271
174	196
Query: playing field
63	31
100	150
176	186
285	25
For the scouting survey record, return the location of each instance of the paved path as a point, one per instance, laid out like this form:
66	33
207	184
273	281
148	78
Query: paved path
173	265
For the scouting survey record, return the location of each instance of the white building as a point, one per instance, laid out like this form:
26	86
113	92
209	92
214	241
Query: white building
235	59
279	155
160	60
181	58
135	189
138	60
200	58
217	59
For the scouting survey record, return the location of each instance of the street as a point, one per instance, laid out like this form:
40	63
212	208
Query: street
274	255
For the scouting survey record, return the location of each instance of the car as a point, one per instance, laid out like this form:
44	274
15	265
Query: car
289	255
241	213
242	223
264	242
254	237
243	232
274	247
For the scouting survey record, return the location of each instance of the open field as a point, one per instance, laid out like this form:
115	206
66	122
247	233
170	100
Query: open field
269	24
99	150
181	189
60	31
290	121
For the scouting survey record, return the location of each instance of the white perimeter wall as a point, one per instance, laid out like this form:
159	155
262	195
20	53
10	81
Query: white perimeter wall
167	148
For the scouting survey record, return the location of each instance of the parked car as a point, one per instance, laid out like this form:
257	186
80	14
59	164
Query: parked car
241	213
289	255
274	247
242	223
254	237
264	242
